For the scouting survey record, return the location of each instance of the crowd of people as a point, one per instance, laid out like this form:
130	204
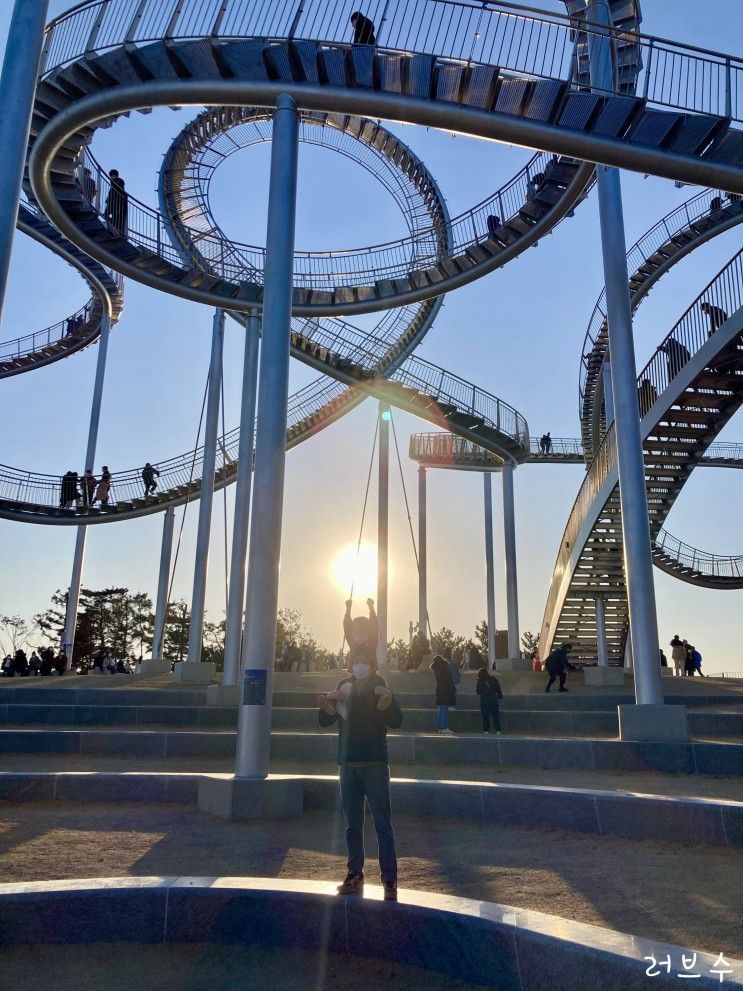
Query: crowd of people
87	490
42	663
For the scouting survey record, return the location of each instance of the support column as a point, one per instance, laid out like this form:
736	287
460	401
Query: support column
205	672
608	394
512	592
163	584
635	528
17	89
73	597
422	563
489	568
243	487
602	651
383	512
259	642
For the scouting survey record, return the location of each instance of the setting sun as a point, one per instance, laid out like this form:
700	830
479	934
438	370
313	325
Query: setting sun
358	570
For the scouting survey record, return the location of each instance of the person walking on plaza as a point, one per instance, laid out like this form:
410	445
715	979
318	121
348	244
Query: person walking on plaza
364	708
446	692
148	477
678	654
363	29
489	690
557	666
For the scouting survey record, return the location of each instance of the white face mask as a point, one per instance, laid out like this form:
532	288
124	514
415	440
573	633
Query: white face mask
361	671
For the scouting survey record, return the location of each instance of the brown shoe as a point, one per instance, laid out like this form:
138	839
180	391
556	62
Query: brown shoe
390	891
353	885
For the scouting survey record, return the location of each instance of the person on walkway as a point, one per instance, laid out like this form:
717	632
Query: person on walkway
148	477
363	29
676	356
20	664
446	692
103	491
557	666
678	654
117	204
489	690
88	485
69	492
494	224
60	663
717	316
364	708
545	444
47	662
696	660
646	396
34	664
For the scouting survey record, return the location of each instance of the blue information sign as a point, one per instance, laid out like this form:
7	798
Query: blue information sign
254	687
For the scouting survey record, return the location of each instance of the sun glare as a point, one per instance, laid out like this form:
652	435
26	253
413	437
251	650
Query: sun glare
358	570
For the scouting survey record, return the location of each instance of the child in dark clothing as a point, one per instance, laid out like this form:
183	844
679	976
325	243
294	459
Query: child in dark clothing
489	690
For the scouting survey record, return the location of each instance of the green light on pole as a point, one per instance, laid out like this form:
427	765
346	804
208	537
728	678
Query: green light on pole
386	415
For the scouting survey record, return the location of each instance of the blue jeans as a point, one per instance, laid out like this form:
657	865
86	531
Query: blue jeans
442	721
370	782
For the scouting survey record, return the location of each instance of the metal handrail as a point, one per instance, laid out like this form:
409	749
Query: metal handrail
183	473
678	221
323	270
517	39
703	562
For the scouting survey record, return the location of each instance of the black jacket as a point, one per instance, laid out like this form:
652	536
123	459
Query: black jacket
489	691
446	692
362	737
557	662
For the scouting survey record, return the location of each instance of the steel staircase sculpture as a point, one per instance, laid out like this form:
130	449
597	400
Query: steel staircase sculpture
687	392
81	328
680	232
103	59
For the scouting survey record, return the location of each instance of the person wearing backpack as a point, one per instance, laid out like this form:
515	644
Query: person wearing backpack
489	690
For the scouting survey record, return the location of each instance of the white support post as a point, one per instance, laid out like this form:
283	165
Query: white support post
638	563
243	488
422	562
259	642
383	511
512	590
602	651
73	596
489	568
209	462
163	584
17	89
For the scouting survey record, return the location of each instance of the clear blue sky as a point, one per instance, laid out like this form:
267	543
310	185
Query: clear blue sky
517	333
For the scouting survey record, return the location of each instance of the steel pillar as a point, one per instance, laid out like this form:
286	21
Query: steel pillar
211	429
512	586
638	565
259	642
608	395
489	567
602	651
383	514
17	89
73	597
163	584
422	551
243	487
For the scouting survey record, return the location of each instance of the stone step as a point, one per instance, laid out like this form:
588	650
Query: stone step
699	757
606	813
461	720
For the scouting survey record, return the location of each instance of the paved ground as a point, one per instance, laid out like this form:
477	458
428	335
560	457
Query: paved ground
646	782
181	967
688	895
